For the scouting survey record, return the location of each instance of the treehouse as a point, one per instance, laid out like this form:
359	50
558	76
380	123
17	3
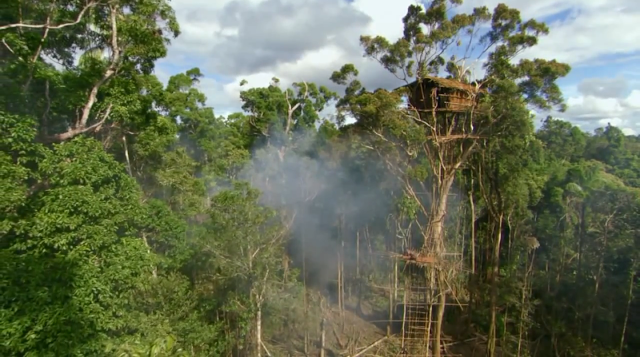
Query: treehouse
441	94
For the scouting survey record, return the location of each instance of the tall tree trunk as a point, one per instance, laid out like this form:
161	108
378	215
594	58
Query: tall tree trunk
472	247
259	331
437	221
581	232
495	263
438	213
632	276
526	290
442	304
596	288
472	250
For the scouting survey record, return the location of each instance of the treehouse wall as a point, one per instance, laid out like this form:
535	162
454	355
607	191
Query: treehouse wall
442	94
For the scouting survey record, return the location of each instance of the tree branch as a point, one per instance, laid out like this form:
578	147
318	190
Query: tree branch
111	70
293	108
81	123
53	27
73	132
9	48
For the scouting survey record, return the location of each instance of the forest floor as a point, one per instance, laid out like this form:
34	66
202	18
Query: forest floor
363	333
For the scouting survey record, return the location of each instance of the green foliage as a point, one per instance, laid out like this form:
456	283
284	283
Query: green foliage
136	222
71	258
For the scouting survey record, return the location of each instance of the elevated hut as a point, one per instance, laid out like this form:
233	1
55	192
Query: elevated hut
441	94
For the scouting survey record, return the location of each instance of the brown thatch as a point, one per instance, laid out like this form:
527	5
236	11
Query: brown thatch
444	83
450	83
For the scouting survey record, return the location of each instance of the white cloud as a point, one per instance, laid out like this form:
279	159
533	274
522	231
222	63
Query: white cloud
386	16
594	29
597	29
201	32
591	112
633	100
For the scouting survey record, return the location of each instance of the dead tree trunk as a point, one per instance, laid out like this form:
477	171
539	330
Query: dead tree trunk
322	337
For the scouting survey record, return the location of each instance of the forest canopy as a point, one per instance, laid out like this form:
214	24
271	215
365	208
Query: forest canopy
135	221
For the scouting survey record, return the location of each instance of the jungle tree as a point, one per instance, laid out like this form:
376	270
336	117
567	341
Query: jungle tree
429	128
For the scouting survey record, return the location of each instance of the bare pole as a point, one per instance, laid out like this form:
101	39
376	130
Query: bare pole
322	337
390	305
404	314
358	254
305	301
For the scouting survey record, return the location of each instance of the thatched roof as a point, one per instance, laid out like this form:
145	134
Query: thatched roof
444	83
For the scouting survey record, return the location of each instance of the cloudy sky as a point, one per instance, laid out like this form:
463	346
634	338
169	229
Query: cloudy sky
297	40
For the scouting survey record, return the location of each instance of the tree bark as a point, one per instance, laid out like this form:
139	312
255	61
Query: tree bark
632	277
491	350
437	235
259	331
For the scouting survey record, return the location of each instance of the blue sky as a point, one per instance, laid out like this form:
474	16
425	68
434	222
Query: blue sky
256	40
